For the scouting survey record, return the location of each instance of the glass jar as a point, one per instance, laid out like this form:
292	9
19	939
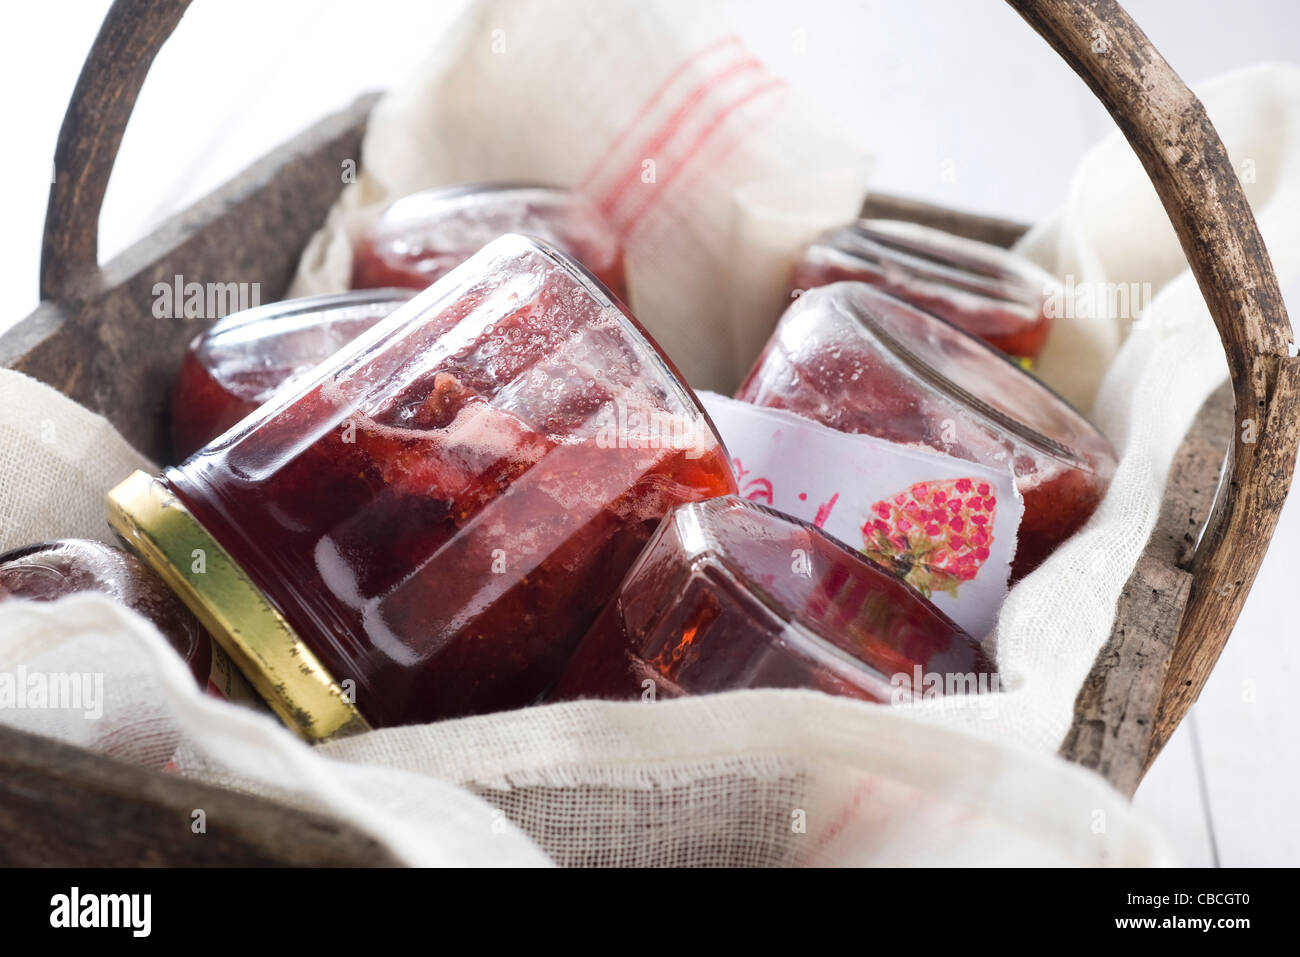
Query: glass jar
729	594
856	359
232	368
978	287
51	570
427	524
422	236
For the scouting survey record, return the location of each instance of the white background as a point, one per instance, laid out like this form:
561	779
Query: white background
927	84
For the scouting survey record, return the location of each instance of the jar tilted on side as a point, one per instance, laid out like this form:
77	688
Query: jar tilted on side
421	237
232	368
729	594
991	293
427	523
856	359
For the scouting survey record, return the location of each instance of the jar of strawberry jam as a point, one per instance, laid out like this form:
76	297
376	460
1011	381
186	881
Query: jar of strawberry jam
420	237
856	359
51	570
232	368
427	524
729	594
986	290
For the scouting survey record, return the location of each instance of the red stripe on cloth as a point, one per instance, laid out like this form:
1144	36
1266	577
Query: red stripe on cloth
670	128
659	93
715	121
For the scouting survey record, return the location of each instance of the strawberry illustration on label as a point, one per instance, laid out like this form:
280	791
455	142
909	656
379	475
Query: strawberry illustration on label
935	535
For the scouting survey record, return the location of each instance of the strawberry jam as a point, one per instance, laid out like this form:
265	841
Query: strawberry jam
978	287
441	508
51	570
729	594
420	237
234	367
856	359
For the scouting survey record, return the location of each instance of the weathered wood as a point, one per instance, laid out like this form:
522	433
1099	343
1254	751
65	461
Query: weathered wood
132	33
105	348
1116	709
62	805
1193	482
1235	543
986	229
1171	134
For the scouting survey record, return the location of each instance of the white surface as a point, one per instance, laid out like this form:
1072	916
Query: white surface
962	104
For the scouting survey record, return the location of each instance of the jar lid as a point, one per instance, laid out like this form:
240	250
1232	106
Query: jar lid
272	656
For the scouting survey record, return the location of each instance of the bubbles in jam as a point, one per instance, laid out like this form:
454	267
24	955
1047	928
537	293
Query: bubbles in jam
856	359
729	594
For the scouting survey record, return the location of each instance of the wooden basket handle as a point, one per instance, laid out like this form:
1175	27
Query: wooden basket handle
1164	123
129	38
1171	134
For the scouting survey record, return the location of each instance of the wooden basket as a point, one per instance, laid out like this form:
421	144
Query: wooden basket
62	805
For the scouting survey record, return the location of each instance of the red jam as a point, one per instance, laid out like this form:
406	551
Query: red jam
441	509
51	570
978	287
855	359
421	237
729	594
234	367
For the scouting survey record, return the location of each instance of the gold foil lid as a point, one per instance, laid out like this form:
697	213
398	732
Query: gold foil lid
266	649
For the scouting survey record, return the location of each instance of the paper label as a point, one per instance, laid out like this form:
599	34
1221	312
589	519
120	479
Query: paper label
946	526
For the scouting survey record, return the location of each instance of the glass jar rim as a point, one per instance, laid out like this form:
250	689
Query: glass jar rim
455	190
302	305
864	319
970	265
